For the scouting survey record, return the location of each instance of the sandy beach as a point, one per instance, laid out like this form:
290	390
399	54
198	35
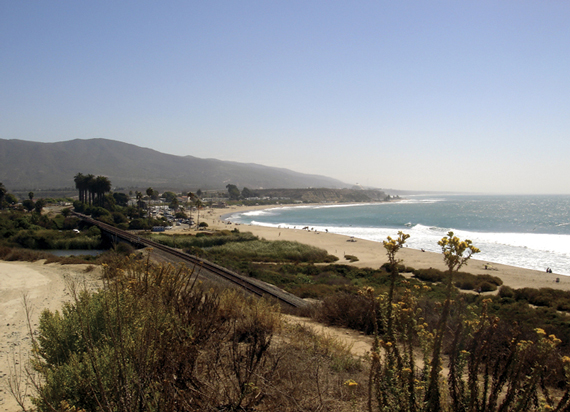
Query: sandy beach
372	254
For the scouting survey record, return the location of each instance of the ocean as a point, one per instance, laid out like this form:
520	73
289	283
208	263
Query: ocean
525	231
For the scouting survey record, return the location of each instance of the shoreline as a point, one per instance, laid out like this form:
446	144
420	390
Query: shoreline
372	254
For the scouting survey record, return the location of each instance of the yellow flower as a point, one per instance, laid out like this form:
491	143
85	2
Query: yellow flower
351	382
566	359
540	331
554	339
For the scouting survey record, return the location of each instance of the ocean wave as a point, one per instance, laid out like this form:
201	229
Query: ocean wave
261	212
431	229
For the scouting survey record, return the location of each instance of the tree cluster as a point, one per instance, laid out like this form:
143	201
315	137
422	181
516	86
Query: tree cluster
235	194
28	204
91	188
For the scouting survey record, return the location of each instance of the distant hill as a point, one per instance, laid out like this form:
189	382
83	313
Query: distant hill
26	165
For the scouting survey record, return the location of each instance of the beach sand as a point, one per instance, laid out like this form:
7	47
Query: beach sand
373	255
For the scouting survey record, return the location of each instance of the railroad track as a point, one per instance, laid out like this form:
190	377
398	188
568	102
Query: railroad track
255	288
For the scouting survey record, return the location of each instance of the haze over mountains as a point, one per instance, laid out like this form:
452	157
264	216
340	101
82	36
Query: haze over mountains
26	165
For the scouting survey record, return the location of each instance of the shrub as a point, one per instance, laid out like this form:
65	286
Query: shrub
429	275
506	292
486	287
275	251
138	224
351	258
466	284
123	248
346	310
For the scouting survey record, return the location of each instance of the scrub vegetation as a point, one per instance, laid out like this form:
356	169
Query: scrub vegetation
157	339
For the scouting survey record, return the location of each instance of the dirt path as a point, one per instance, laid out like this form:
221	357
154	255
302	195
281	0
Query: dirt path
359	343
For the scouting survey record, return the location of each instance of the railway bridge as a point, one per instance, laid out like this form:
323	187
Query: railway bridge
207	269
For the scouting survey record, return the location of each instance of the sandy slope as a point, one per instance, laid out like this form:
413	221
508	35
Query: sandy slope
46	287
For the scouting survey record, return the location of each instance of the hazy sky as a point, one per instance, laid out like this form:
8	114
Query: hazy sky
419	95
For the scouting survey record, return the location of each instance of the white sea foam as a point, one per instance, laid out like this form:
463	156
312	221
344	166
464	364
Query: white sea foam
531	251
263	212
278	225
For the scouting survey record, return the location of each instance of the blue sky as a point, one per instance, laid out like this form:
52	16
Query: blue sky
417	95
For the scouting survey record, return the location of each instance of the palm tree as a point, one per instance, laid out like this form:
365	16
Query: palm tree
80	184
3	192
190	200
198	203
139	197
39	205
102	185
90	187
149	193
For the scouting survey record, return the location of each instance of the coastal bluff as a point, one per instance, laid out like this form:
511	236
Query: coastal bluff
324	195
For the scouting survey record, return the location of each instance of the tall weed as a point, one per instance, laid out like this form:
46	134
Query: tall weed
489	367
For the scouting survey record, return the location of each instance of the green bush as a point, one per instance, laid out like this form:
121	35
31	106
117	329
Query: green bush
351	258
429	275
506	292
275	251
486	287
346	310
204	240
466	284
138	224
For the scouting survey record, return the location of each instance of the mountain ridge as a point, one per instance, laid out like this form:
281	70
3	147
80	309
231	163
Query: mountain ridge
37	165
